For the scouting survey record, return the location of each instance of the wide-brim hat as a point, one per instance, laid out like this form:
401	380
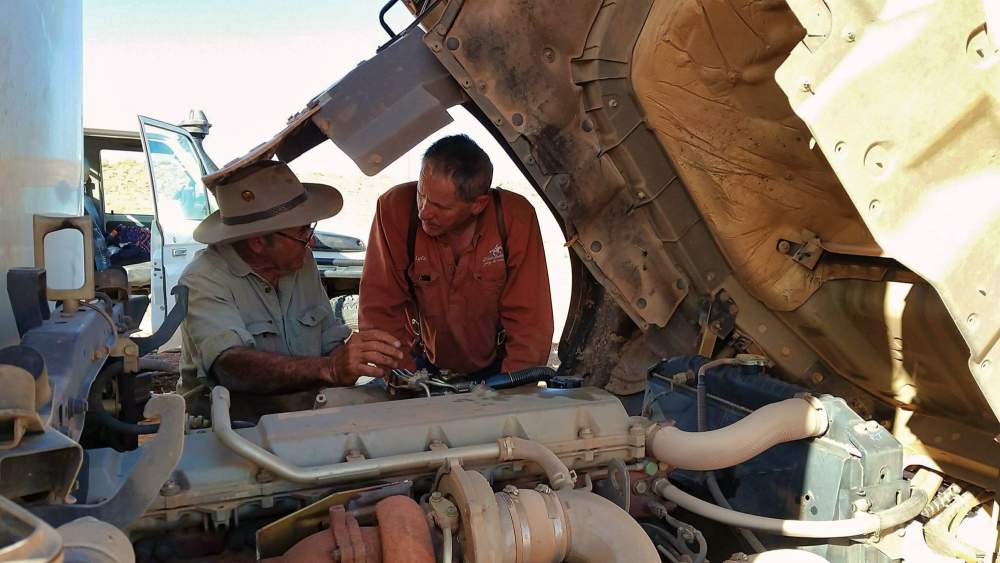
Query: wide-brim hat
262	198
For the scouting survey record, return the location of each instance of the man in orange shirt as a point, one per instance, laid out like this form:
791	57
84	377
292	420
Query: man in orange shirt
456	271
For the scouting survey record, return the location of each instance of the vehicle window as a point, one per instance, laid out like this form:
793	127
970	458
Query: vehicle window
179	191
126	183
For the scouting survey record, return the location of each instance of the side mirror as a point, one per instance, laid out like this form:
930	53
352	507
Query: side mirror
64	247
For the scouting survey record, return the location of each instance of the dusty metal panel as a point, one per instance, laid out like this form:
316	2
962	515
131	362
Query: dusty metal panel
701	73
388	104
558	90
375	114
901	97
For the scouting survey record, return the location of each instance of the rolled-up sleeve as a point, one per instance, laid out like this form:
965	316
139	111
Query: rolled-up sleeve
213	323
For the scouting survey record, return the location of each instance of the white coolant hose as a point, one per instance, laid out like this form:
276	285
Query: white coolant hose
777	423
861	524
782	556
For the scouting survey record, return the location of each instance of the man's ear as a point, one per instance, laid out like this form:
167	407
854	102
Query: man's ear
479	203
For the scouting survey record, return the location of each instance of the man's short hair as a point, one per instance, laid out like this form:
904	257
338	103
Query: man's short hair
458	157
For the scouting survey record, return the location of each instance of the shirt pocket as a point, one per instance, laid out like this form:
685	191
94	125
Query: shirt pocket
431	294
266	337
308	339
489	286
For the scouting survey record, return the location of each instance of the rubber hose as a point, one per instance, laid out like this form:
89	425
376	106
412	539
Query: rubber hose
787	556
777	423
861	524
114	424
557	472
506	380
716	492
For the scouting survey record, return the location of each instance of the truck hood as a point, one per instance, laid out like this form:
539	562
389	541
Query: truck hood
736	177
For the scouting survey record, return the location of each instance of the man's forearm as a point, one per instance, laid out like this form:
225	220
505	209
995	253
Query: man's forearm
261	373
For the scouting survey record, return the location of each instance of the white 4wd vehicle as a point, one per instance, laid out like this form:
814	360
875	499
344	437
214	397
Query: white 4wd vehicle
120	197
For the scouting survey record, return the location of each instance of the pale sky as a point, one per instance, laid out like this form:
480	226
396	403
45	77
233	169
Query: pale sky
249	64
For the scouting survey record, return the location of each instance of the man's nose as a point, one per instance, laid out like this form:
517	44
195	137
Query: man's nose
424	213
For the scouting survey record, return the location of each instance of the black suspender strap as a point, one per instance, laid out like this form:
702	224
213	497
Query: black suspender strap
411	243
501	224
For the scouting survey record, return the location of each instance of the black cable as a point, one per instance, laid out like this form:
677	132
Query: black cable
381	19
424	11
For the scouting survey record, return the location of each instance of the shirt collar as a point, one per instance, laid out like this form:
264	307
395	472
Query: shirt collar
237	266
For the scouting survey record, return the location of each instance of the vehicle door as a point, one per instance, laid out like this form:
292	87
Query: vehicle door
180	202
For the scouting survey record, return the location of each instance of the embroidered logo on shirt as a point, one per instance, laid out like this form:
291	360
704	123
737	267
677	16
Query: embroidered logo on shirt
420	259
495	255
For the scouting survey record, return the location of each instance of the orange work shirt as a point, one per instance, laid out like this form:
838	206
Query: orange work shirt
461	304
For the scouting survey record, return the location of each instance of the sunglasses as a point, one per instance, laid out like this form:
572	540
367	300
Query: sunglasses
306	239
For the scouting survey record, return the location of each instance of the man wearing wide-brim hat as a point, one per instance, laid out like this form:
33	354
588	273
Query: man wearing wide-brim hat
259	321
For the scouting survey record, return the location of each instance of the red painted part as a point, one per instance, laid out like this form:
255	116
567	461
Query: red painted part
406	537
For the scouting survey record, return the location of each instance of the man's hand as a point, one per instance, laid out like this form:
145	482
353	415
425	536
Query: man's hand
370	353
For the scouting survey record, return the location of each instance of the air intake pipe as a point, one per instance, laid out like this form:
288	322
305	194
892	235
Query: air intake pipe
777	423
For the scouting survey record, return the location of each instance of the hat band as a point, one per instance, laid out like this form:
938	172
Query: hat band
267	213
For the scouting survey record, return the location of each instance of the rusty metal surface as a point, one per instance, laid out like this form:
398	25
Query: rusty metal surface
347	540
557	93
279	536
918	167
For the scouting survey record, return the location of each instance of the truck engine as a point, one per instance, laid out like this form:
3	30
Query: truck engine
763	362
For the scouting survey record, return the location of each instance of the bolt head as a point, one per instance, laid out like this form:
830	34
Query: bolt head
436	496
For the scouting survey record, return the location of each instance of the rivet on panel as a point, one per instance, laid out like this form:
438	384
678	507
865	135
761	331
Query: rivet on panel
587	125
875	207
877	160
680	283
762	328
452	43
436	47
613	103
840	149
517	119
849	36
596	246
640	303
972	320
986	364
548	54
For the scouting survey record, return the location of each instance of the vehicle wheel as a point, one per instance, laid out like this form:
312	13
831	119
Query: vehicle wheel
345	309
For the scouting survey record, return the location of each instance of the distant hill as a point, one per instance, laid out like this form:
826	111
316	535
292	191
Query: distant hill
126	187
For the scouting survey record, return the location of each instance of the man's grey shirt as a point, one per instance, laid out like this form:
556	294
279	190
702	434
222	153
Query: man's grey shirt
229	305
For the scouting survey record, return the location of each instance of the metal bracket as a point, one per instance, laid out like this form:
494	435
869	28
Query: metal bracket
806	253
617	487
150	472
